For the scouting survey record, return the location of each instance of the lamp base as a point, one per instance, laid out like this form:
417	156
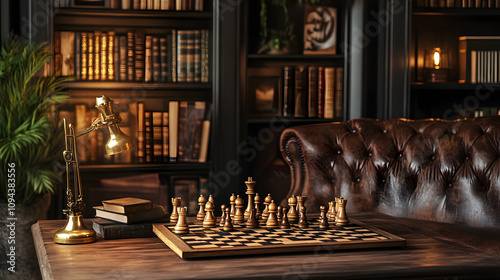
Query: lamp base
74	232
436	75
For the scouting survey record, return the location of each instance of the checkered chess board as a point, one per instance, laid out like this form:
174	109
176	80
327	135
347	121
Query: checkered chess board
207	242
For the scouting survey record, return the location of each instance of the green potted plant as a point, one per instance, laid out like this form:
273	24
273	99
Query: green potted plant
31	143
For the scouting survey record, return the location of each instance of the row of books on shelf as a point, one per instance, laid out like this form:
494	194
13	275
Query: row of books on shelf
179	56
313	92
172	5
458	3
479	59
486	111
180	134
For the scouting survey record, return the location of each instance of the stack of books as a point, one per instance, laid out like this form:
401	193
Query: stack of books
126	218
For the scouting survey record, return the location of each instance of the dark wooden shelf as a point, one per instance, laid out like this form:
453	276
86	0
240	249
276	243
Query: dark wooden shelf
147	167
132	85
293	57
133	13
451	86
289	120
421	11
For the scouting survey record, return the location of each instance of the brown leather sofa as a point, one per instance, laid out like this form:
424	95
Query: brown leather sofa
447	171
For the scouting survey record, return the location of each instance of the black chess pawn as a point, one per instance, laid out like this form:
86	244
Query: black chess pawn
252	221
303	219
223	216
272	220
201	212
323	220
284	219
228	225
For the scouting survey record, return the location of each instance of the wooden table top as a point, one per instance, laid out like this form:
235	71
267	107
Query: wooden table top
433	250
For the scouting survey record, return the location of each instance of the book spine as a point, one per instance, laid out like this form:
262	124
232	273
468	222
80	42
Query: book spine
205	137
178	5
173	116
144	5
139	56
148	137
136	4
97	55
313	92
198	5
90	56
329	92
288	91
205	72
300	92
462	61
109	232
148	68
140	133
111	56
170	60
163	59
155	56
156	4
78	59
126	4
339	92
197	56
182	130
164	5
67	53
190	56
123	58
165	119
130	56
150	4
157	118
104	57
173	56
321	92
182	49
84	56
116	58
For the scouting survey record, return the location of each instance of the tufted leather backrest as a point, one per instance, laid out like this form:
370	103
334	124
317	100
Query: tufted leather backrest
446	171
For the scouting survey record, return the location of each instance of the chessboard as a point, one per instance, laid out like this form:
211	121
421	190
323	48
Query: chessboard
210	242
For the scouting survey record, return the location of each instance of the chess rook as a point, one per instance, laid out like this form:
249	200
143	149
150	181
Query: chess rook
301	200
342	219
181	227
238	215
292	213
201	212
176	202
250	192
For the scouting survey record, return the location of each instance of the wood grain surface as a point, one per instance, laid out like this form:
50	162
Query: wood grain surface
434	252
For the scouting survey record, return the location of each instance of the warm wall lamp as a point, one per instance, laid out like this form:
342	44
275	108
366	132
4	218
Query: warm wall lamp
75	231
436	66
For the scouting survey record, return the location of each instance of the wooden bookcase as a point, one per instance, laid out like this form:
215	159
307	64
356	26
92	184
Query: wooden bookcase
259	140
154	95
431	27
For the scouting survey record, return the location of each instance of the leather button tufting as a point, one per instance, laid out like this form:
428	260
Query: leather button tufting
400	155
369	154
433	157
467	158
358	180
338	152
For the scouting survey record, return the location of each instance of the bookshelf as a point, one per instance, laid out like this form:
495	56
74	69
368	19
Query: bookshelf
442	26
260	133
156	95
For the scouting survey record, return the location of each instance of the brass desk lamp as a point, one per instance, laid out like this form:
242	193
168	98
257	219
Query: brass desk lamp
75	231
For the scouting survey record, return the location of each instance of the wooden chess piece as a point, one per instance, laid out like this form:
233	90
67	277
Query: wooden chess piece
201	212
336	206
238	215
258	213
176	202
223	215
267	201
209	221
331	215
301	200
278	213
284	219
272	220
250	192
232	202
342	219
303	219
228	225
181	227
211	199
323	220
252	221
292	213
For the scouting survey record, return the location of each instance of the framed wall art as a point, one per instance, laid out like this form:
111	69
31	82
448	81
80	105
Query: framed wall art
264	92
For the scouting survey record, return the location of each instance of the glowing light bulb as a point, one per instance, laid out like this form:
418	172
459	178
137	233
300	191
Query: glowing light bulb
436	60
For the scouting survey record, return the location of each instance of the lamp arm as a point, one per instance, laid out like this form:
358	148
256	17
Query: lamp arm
96	123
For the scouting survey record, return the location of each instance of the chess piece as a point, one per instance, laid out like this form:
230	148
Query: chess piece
342	219
176	202
272	220
228	226
284	219
301	200
252	221
331	215
238	214
232	202
211	199
181	227
201	212
278	213
250	192
292	213
336	206
223	216
258	213
267	201
303	219
209	221
323	220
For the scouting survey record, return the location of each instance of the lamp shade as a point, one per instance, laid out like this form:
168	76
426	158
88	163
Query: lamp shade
118	141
